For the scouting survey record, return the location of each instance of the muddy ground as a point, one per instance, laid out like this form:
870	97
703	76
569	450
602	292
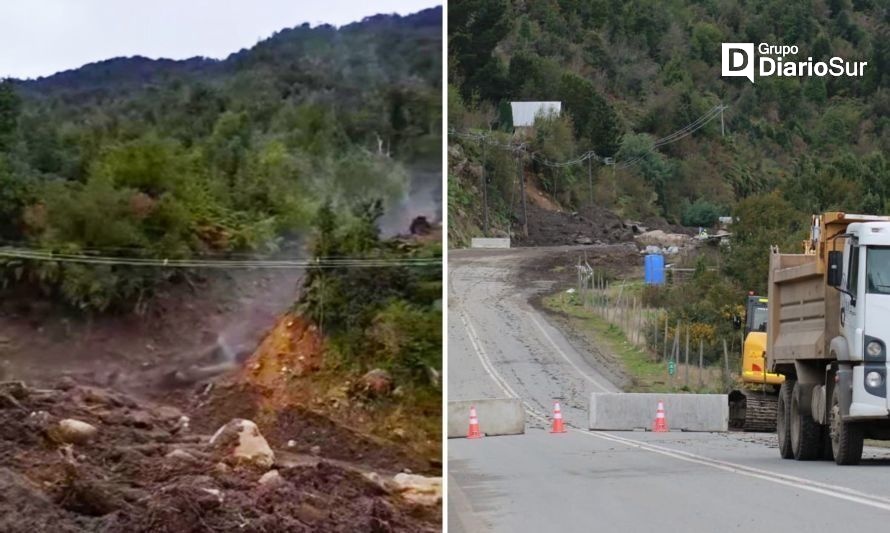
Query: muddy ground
135	385
134	377
557	268
124	480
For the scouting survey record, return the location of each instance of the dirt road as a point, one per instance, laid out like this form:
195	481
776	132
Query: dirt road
500	346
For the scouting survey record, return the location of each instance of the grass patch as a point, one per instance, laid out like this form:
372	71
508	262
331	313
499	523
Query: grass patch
647	374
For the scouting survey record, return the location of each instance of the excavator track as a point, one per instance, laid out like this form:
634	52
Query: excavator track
753	410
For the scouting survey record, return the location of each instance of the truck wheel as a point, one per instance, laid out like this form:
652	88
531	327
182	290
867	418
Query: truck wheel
806	433
846	437
783	415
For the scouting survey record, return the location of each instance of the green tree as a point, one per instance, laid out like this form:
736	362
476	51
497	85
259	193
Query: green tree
759	223
10	108
593	118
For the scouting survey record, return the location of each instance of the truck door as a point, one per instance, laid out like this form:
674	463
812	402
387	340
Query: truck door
849	304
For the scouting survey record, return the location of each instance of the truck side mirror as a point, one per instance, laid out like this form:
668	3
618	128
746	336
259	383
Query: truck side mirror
835	268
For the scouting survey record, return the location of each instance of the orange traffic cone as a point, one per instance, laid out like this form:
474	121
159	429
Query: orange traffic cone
473	432
558	427
660	425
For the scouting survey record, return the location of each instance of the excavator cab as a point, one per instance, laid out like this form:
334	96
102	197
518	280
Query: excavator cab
754	350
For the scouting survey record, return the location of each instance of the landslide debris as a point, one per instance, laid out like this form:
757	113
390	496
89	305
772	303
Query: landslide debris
144	467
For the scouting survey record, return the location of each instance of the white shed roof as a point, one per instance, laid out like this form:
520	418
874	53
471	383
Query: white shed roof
524	113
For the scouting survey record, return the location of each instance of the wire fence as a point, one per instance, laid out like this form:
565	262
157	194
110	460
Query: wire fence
691	361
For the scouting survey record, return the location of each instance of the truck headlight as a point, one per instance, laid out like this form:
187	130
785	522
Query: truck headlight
874	348
874	379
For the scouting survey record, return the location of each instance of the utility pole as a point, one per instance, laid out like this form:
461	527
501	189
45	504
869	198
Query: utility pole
590	182
722	127
484	186
522	194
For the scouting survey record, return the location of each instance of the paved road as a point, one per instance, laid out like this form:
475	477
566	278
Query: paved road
618	481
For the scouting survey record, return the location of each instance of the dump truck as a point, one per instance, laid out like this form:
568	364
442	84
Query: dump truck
753	408
827	333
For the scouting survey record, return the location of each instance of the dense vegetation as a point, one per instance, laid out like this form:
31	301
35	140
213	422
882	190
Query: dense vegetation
132	157
385	316
630	72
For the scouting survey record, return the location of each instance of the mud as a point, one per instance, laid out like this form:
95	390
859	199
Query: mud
123	480
551	228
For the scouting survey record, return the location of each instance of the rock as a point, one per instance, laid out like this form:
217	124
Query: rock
181	455
421	226
272	477
419	489
167	413
75	431
377	382
660	238
582	239
139	419
40	417
66	383
636	227
399	432
216	493
315	450
241	441
651	249
291	443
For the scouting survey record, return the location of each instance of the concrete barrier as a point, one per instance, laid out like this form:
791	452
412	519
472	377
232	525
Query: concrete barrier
485	242
687	412
502	416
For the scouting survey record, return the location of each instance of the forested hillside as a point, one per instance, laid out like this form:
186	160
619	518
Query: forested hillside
133	157
631	72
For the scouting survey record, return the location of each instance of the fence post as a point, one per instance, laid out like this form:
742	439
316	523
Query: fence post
675	352
654	338
701	381
725	366
665	353
686	362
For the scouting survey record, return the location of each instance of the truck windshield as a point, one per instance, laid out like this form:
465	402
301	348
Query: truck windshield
877	270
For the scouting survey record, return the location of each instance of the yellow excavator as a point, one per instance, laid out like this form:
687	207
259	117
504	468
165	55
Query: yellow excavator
753	408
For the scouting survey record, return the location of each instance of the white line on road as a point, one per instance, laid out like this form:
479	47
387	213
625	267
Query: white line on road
596	382
834	491
483	357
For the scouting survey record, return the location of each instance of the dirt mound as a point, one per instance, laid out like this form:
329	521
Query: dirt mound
551	228
287	390
147	469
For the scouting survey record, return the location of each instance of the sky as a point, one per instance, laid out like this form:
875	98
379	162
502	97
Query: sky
42	37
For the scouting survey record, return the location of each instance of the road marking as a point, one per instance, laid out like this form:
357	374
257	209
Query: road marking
596	382
487	364
834	491
483	357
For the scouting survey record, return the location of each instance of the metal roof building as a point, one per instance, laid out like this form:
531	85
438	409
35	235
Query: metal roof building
524	113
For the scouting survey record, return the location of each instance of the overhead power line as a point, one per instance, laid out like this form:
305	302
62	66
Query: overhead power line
326	263
683	132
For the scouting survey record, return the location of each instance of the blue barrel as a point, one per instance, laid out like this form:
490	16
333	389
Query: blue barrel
654	269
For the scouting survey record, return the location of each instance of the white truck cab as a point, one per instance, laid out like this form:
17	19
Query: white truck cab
865	314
